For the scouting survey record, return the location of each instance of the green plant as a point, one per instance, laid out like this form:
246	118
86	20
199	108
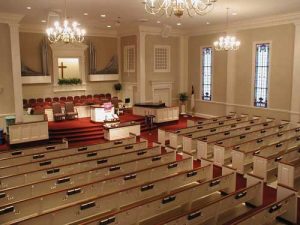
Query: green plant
69	81
118	86
183	97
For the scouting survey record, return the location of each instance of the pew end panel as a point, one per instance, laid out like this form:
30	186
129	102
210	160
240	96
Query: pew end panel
260	167
292	209
144	140
168	148
207	162
162	136
252	180
202	149
229	170
238	158
219	155
286	174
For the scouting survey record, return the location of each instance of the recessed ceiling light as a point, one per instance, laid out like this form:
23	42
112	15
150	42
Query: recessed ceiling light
43	21
234	13
108	26
85	14
28	7
103	15
207	23
157	21
178	24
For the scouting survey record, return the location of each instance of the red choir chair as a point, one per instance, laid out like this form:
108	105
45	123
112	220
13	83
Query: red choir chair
48	99
55	99
96	96
76	98
32	102
108	96
102	96
40	102
62	99
38	110
25	104
82	97
70	99
89	96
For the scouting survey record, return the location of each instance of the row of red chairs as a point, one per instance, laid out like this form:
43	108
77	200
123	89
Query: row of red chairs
78	100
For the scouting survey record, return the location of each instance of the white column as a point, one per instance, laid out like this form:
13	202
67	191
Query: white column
16	70
295	100
231	77
141	68
183	64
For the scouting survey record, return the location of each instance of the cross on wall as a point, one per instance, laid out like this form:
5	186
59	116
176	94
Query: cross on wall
62	67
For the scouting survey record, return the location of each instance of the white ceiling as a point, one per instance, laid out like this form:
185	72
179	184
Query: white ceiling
131	11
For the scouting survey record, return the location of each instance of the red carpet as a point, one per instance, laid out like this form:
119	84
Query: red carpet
83	130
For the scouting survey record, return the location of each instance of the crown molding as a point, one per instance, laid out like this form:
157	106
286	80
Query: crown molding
150	30
34	28
10	18
270	21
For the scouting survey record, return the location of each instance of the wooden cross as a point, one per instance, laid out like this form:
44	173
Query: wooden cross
62	67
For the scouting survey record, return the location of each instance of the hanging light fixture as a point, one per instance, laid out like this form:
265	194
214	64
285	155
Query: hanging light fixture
178	7
228	42
67	32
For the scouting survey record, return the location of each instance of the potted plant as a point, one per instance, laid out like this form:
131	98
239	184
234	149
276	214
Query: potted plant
118	88
183	97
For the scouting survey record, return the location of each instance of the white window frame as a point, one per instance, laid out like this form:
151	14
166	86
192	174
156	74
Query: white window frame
168	69
254	74
126	59
212	72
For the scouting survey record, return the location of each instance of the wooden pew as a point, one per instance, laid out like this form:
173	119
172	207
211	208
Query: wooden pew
242	156
105	164
84	166
142	210
285	208
223	149
164	134
40	154
289	173
204	146
110	180
197	121
129	191
80	156
265	163
15	153
176	137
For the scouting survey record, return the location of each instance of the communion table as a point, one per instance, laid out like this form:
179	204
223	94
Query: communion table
101	113
121	130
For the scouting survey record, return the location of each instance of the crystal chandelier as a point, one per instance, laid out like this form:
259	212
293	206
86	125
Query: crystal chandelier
178	7
66	33
228	42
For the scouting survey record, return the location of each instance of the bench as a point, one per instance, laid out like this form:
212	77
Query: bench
204	146
124	195
110	181
223	149
285	208
54	152
80	156
242	155
176	138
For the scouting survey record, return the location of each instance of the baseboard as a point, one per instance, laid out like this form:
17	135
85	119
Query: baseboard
206	116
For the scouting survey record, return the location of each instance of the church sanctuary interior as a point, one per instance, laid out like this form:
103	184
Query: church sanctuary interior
149	112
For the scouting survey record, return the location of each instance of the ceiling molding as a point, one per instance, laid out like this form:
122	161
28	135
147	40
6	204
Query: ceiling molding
32	28
10	18
150	30
248	24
